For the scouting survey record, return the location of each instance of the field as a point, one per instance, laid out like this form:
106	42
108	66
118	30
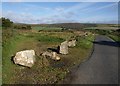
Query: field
103	28
45	71
107	30
37	28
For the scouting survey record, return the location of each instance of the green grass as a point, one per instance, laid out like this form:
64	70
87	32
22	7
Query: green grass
106	30
37	28
115	37
103	28
45	37
44	70
9	49
50	39
85	42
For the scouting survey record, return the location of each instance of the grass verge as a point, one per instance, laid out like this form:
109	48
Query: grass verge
115	38
45	71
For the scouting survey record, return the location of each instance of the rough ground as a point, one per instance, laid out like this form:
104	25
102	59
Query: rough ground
101	68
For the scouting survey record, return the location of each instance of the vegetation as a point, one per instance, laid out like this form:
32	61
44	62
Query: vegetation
115	35
85	42
66	26
115	38
44	70
113	32
44	28
23	27
6	23
40	38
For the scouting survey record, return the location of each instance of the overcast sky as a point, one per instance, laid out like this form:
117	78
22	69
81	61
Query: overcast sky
60	12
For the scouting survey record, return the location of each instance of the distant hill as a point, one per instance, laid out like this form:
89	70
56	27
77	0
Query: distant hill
77	26
66	25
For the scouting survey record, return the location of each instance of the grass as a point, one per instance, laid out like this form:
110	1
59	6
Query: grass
103	28
45	70
85	42
9	50
46	38
37	28
108	31
115	37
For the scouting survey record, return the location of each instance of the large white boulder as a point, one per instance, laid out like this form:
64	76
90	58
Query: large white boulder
25	58
64	47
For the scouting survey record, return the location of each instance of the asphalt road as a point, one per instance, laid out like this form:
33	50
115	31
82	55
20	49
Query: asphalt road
101	68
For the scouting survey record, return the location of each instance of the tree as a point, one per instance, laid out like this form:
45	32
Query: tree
6	22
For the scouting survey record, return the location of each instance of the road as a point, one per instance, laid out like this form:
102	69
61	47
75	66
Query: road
101	68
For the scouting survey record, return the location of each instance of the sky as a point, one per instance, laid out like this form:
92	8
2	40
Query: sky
60	0
60	12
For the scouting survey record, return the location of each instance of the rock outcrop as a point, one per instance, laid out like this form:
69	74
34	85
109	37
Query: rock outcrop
25	58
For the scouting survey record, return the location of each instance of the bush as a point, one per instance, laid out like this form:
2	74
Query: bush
22	27
6	23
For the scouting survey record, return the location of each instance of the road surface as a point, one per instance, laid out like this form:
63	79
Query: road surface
101	68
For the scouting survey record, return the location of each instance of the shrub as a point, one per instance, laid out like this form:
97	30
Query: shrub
6	23
22	27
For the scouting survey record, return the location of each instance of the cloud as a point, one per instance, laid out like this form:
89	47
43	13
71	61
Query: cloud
56	15
103	7
99	19
18	18
70	12
59	9
29	18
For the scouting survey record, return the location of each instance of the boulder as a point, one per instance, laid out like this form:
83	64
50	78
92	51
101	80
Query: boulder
25	58
52	55
49	54
72	43
55	56
63	48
